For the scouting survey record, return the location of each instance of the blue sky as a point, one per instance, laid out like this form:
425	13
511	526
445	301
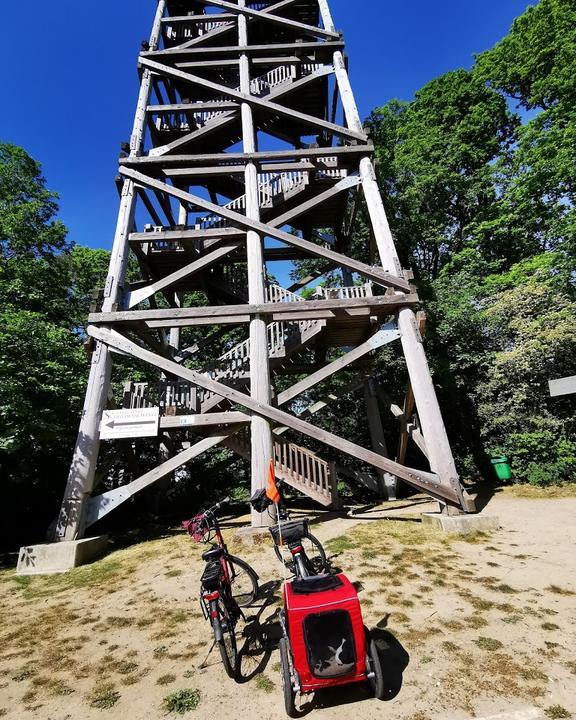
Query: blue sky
69	82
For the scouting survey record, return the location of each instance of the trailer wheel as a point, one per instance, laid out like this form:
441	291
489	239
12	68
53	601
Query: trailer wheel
289	694
374	667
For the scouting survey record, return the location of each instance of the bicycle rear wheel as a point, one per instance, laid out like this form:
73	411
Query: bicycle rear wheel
243	581
315	557
225	636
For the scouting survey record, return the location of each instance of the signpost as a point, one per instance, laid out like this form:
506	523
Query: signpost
129	423
562	386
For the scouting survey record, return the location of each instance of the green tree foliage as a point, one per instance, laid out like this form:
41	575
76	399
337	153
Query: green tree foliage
497	338
437	165
535	65
44	284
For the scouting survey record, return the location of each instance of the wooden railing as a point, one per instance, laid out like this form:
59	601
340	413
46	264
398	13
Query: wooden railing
299	467
270	187
186	121
344	293
304	470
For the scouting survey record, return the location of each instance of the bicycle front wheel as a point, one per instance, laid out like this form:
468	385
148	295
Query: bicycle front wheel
314	555
243	581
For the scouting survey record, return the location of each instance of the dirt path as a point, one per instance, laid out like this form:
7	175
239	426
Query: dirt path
477	627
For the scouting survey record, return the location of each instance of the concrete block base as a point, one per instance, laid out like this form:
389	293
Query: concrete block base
253	535
461	524
52	558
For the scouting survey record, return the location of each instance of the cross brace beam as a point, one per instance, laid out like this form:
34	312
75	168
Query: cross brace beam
376	274
428	482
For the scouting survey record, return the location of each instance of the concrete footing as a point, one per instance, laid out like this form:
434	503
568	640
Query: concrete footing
252	535
461	524
52	558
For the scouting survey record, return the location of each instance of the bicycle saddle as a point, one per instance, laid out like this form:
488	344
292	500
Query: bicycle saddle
213	554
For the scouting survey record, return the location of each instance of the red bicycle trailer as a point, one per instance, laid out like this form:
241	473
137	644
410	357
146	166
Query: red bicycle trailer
325	642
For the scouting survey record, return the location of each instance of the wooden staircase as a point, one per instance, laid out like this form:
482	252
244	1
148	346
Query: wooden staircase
297	466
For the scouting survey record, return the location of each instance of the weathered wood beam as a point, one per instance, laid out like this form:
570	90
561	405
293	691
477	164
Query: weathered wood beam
376	274
192	107
382	337
211	36
252	50
187	422
428	482
151	210
388	304
182	235
228	170
342	152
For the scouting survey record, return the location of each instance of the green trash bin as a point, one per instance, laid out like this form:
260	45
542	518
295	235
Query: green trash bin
502	467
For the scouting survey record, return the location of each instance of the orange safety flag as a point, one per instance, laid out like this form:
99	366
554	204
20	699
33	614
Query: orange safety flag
271	489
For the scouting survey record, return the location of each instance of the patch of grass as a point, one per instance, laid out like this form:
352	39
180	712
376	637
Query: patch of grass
160	652
265	684
450	646
426	659
549	626
276	667
480	603
103	696
512	619
181	701
556	712
474	538
166	679
453	625
59	688
23	674
173	573
493	564
504	588
369	555
400	617
486	643
188	674
29	697
340	544
532	673
557	590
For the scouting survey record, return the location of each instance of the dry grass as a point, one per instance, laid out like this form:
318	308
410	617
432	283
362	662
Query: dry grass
535	493
440	597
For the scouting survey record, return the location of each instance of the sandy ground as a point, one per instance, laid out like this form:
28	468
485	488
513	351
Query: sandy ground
465	628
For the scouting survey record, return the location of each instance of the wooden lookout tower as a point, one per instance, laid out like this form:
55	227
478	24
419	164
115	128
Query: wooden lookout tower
247	149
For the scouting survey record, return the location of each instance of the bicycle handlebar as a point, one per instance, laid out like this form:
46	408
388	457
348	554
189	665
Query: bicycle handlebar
214	509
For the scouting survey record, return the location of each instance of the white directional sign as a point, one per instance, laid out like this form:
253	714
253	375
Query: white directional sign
562	386
129	423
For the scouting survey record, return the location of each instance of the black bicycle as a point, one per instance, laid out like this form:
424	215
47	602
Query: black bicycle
227	584
305	555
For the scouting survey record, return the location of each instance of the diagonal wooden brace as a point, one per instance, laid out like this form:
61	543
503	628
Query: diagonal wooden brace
100	505
376	274
253	100
428	482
